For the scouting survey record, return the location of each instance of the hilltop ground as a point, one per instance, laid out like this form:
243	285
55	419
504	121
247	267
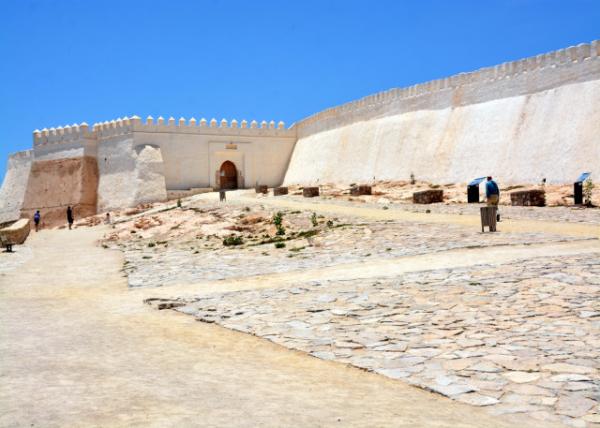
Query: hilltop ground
504	324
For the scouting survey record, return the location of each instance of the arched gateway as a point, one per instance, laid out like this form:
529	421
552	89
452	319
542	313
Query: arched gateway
228	176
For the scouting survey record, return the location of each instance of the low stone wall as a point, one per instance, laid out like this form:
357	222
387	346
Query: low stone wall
179	194
428	196
528	198
17	232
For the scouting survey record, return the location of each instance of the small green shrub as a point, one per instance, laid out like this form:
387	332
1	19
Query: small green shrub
313	220
329	223
178	203
151	244
280	245
233	240
278	221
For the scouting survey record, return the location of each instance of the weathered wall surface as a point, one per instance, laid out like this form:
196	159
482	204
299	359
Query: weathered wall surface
14	185
150	178
118	176
521	122
53	185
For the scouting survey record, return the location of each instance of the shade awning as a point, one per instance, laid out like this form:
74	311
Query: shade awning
476	181
583	177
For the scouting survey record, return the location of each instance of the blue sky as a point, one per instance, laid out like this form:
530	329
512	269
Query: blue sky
90	60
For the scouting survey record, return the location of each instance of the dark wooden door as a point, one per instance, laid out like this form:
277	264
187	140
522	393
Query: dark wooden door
228	175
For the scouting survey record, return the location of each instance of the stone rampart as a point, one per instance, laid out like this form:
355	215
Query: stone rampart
520	121
525	76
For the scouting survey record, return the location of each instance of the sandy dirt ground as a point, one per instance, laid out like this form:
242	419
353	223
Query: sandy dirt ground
77	348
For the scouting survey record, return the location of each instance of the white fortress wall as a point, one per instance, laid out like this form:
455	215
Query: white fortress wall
139	161
520	121
193	151
14	185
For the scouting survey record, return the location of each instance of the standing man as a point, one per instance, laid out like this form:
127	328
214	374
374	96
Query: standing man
492	194
36	219
70	216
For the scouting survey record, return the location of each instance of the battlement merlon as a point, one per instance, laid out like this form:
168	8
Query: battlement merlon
123	126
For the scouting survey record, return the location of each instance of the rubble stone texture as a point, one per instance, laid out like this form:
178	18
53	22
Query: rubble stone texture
514	338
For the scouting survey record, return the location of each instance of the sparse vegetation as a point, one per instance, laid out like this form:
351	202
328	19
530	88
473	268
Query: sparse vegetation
412	178
278	221
313	220
279	244
178	203
233	240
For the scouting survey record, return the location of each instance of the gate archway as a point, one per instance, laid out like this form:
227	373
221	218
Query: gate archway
228	176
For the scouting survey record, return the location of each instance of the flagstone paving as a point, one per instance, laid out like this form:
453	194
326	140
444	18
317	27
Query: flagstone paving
516	338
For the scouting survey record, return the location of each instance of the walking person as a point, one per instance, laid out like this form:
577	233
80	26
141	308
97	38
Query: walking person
492	194
70	217
36	219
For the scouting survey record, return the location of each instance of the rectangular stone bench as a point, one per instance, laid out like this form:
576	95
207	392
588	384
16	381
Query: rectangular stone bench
361	189
310	192
428	196
528	198
278	191
262	189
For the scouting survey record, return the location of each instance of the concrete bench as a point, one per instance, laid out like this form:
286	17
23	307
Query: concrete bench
528	198
428	196
310	192
361	189
278	191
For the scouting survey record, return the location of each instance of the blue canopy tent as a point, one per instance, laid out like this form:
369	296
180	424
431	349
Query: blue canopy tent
473	190
578	188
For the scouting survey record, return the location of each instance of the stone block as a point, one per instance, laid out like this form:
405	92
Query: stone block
428	196
310	192
262	189
361	189
528	198
17	232
278	191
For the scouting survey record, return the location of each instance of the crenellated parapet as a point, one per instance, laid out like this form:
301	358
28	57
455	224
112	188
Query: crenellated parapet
128	125
62	134
527	75
213	127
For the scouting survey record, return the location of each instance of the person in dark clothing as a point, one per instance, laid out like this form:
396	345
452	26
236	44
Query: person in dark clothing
70	217
36	219
492	194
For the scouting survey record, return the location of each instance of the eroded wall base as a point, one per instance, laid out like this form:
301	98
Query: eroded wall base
53	185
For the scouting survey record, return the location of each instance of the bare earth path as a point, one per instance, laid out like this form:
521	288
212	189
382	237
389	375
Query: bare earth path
77	348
